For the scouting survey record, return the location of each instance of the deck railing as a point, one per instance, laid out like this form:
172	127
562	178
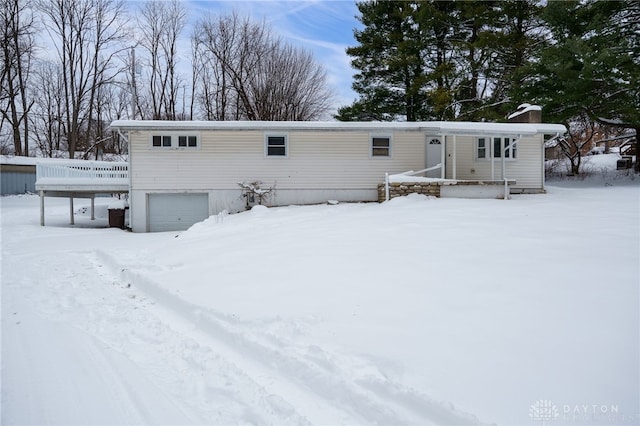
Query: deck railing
78	169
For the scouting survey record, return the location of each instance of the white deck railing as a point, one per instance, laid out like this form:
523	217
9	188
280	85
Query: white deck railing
78	169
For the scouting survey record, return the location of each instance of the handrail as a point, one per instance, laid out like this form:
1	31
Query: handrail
409	173
74	169
412	173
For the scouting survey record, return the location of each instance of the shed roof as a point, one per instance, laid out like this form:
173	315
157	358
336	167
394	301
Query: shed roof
431	127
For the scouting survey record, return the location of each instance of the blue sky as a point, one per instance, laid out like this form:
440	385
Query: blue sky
323	26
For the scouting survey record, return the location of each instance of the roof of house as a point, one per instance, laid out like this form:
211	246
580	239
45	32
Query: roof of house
431	127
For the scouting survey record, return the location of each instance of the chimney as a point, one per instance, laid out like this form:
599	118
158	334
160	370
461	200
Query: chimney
526	113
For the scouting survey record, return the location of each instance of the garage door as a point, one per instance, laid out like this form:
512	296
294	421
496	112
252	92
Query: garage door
176	212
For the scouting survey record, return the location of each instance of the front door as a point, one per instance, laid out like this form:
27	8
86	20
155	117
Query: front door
434	156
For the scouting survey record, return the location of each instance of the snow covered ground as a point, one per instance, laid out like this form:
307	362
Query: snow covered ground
415	311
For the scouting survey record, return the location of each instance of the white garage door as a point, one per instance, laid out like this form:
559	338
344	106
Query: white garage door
176	212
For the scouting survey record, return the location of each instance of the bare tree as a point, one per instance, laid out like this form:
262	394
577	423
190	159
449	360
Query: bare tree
245	72
46	116
86	35
17	44
161	24
578	140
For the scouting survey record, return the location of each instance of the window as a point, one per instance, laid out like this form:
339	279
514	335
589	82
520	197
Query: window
276	145
506	146
163	141
175	141
187	141
381	146
482	148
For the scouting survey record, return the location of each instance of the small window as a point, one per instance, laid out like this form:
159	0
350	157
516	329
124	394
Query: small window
276	146
161	141
482	148
187	141
380	146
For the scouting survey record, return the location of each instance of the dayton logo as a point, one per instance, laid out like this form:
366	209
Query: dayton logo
543	411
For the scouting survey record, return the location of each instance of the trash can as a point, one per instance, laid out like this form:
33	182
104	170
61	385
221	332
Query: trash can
116	218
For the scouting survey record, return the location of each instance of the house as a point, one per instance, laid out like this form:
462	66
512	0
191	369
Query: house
181	172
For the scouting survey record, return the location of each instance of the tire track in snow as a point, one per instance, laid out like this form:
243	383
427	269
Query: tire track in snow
301	379
208	388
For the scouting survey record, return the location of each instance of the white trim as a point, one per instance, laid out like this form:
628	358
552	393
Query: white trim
268	135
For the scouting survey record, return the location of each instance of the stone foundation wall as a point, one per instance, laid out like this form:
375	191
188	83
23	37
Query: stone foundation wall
447	189
402	189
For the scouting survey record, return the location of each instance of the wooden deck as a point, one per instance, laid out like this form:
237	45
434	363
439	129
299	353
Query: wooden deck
79	179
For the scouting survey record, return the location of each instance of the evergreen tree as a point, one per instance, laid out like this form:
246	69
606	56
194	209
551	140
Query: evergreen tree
390	62
593	65
443	60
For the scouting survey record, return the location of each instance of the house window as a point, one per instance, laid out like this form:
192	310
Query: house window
482	148
187	141
175	141
380	146
501	146
276	145
161	140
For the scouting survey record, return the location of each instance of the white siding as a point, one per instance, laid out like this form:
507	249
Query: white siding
526	169
316	160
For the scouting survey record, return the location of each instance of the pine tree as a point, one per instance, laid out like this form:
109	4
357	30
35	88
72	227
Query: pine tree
593	65
390	63
443	60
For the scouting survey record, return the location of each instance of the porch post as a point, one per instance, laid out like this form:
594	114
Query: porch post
491	157
93	205
443	156
503	148
71	211
454	158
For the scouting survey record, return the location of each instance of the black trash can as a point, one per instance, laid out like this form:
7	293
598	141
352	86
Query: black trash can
116	218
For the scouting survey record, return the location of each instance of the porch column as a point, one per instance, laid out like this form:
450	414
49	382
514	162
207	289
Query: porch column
443	156
491	157
503	148
454	158
93	205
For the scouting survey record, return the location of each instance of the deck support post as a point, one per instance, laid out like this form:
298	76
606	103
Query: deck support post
41	208
93	207
71	211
